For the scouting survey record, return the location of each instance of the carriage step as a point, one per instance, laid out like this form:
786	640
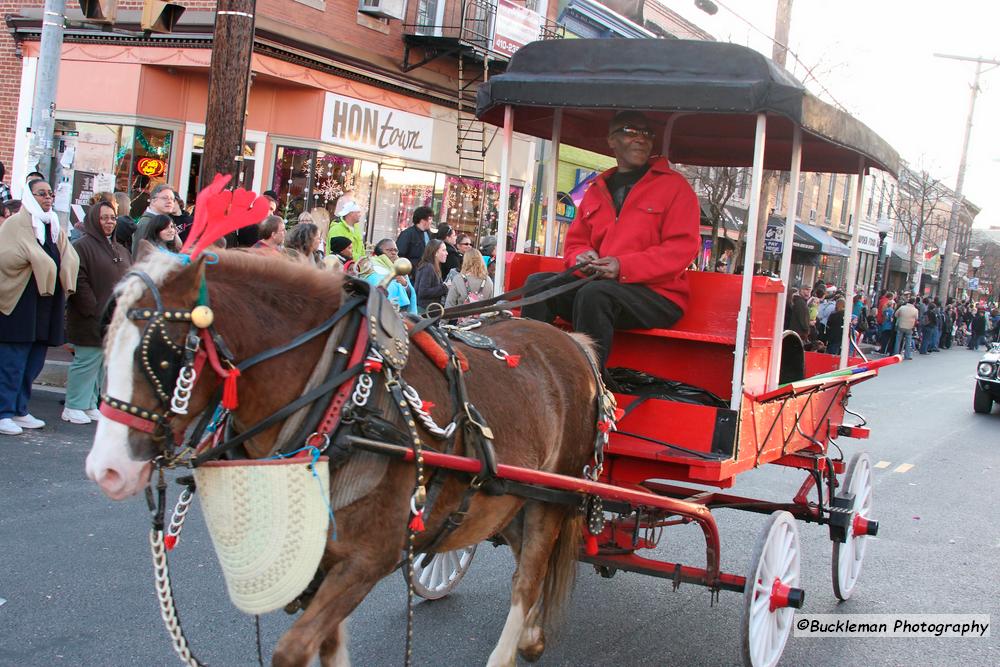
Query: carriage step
853	431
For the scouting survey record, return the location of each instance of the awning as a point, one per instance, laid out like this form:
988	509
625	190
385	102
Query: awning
711	93
808	238
899	261
827	244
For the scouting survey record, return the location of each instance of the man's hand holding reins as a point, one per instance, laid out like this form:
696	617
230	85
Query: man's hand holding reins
606	267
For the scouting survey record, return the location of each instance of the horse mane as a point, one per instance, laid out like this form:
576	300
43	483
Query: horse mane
294	283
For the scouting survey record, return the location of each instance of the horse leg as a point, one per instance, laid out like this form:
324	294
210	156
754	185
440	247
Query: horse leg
532	642
323	623
333	651
541	530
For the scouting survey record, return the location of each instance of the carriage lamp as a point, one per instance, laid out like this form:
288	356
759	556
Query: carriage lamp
986	369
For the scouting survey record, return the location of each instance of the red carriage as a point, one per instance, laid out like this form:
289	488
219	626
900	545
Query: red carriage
780	405
775	405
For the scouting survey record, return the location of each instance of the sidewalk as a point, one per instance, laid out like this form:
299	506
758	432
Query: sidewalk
57	362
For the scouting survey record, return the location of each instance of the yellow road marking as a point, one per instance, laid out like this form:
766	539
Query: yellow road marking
882	464
903	467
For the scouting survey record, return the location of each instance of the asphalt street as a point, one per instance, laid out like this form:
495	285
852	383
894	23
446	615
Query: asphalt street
76	576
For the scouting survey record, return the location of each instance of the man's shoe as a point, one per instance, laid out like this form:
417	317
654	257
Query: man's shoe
93	413
8	427
28	421
75	416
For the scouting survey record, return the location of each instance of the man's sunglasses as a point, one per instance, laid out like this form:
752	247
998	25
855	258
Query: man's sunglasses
630	132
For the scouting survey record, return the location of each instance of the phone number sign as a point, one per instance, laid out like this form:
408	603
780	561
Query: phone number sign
515	27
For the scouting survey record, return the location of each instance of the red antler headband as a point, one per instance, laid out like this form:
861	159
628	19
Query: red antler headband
219	211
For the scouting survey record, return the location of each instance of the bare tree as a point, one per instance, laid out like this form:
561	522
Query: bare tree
918	209
988	252
716	185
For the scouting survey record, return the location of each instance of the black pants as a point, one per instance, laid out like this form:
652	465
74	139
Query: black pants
601	306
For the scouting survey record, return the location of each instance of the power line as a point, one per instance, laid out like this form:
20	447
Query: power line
808	69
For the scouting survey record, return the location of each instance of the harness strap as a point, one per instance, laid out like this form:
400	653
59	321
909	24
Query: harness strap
303	338
533	293
278	416
141	420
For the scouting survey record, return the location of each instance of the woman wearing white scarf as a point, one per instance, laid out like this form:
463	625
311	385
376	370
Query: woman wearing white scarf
38	268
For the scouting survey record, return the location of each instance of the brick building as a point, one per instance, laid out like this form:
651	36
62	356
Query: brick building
341	100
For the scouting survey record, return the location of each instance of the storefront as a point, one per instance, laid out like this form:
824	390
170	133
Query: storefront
816	255
312	137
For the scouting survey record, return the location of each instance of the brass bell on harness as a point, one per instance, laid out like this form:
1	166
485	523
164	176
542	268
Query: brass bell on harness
202	317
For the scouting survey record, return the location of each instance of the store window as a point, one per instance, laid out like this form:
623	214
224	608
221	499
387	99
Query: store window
472	206
246	175
400	192
305	178
96	157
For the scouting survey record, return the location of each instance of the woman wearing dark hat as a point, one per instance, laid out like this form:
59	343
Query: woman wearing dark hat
448	236
342	249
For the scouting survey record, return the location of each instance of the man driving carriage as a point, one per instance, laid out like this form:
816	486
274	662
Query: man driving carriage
638	227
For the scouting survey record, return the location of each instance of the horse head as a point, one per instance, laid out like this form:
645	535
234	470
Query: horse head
144	352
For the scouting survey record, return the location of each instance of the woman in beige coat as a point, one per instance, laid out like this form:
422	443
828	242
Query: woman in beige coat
38	269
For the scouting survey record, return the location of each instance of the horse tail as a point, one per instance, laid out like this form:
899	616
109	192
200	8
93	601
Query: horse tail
561	574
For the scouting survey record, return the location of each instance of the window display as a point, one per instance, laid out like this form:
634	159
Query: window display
470	204
305	178
123	158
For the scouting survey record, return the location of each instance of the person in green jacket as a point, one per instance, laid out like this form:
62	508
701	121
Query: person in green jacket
348	225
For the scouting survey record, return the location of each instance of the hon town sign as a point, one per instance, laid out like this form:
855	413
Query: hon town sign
351	122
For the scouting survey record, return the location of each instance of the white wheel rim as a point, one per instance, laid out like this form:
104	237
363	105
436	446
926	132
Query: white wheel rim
442	573
768	631
851	554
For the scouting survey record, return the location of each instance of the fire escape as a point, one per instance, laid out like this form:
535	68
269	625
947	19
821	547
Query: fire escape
464	30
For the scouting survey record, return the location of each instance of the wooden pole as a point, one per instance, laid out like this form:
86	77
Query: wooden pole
228	88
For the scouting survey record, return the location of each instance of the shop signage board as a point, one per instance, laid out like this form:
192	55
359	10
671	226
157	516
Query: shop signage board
515	27
355	123
774	235
867	241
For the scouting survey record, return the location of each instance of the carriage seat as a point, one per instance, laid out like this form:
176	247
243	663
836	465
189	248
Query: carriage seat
698	349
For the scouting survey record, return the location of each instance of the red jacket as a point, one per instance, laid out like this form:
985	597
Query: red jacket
655	237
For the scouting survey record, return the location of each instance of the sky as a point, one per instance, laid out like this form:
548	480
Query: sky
875	58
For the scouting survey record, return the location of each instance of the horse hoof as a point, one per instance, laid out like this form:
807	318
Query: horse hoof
532	653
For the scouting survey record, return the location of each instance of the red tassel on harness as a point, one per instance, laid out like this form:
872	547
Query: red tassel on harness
417	522
604	426
427	406
373	366
513	360
169	541
230	401
619	413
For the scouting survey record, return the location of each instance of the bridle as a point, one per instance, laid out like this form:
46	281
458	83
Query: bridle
172	370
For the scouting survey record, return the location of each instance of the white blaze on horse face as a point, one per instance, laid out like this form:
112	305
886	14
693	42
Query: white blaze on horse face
110	463
505	653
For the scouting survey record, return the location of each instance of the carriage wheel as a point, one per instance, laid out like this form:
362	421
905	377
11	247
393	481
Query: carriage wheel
848	556
440	576
771	592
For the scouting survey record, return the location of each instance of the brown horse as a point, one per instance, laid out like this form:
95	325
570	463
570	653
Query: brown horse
543	414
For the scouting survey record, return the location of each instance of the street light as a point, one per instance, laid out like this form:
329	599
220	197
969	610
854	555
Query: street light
884	226
976	263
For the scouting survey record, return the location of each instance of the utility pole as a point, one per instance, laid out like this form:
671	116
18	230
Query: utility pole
945	283
43	108
779	54
228	89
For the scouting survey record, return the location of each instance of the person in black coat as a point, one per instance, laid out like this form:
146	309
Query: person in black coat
454	262
428	284
412	240
835	328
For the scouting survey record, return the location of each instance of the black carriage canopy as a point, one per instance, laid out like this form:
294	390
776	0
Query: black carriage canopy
714	90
